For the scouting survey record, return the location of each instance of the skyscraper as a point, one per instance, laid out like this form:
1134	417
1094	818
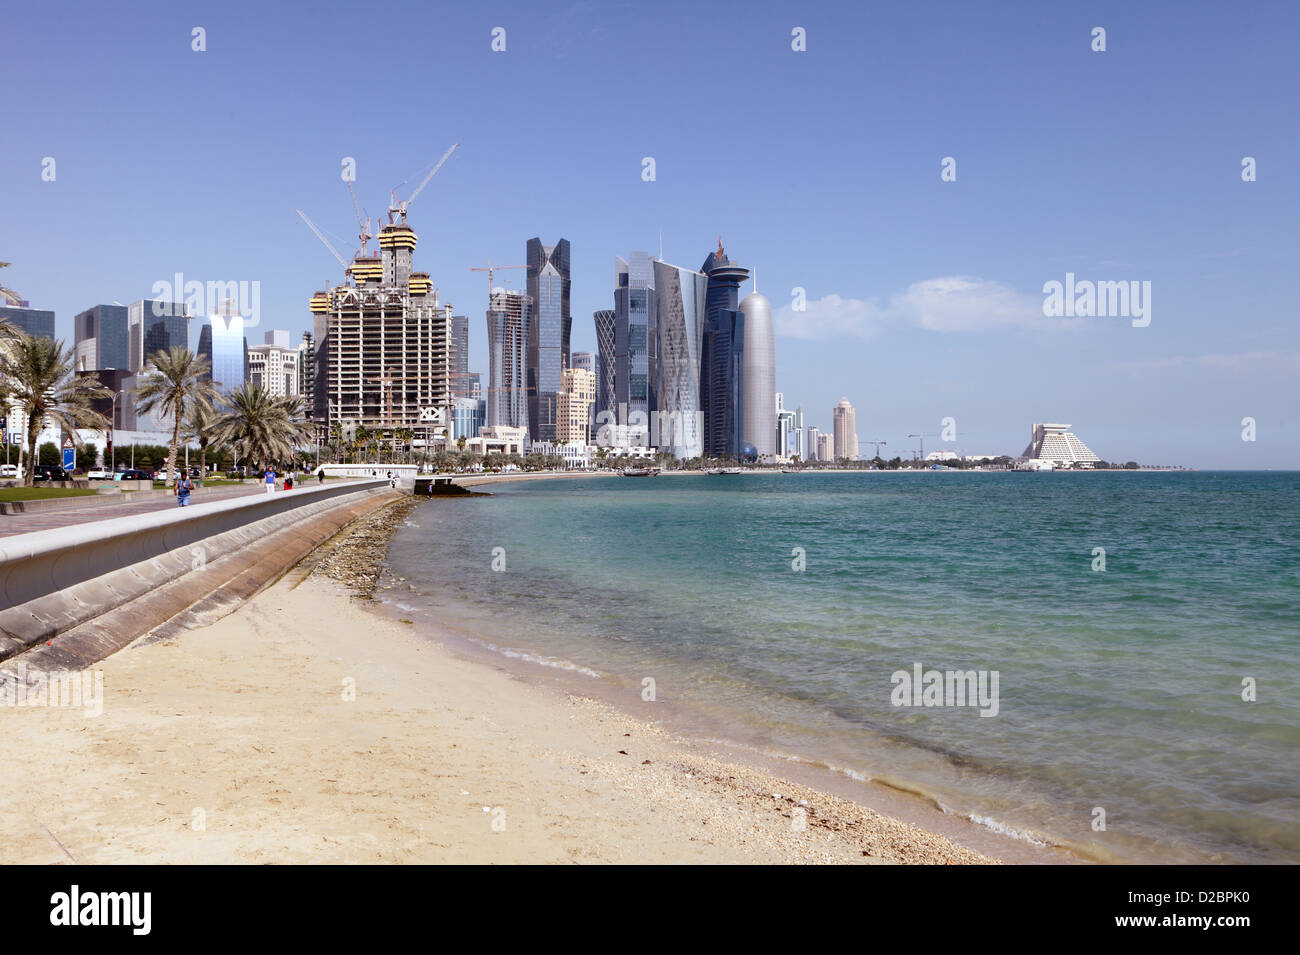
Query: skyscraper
604	360
681	296
813	433
307	372
101	339
508	319
759	375
36	322
548	333
154	325
635	345
222	343
846	434
722	357
459	357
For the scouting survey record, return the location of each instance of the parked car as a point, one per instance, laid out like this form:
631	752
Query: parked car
99	474
48	472
133	474
10	472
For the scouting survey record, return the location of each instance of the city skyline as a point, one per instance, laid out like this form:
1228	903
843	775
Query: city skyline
921	298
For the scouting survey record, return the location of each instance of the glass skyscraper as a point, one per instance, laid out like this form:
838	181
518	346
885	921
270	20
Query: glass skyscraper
222	342
681	296
508	321
101	338
722	357
604	361
548	333
635	347
459	356
154	325
36	322
759	376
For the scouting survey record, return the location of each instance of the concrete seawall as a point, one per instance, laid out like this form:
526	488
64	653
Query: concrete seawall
54	580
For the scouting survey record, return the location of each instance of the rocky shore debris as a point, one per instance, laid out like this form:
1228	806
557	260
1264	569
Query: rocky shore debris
357	558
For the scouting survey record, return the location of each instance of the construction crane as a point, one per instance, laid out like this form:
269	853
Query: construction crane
320	235
923	437
489	269
12	297
365	225
877	444
399	205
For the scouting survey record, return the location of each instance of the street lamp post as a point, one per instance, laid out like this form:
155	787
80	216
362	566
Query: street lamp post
112	420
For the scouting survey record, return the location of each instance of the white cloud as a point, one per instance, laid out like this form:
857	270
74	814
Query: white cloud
954	303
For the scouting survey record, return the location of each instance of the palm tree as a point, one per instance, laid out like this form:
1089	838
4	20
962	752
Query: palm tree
199	425
39	379
177	380
336	438
262	426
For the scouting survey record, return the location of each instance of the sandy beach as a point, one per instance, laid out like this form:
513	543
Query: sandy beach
307	728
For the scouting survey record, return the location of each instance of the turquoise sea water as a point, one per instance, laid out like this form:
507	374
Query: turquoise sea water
1118	690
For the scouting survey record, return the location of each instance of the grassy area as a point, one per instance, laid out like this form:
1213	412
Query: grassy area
42	493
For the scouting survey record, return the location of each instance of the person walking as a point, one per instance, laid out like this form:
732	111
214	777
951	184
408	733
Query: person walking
321	475
288	481
183	488
270	481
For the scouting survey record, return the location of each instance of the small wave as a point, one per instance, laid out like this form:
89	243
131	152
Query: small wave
852	774
1003	829
529	657
815	763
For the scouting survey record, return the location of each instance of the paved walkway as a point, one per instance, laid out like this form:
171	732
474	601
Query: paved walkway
64	516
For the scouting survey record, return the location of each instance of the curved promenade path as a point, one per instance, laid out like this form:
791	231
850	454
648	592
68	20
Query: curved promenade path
65	516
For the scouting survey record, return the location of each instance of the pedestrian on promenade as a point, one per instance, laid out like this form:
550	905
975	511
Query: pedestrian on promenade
183	488
321	474
288	481
270	481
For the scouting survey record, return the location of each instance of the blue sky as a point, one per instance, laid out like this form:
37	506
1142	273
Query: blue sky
820	169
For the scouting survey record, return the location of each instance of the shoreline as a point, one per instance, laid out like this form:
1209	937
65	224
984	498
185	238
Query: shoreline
306	727
472	640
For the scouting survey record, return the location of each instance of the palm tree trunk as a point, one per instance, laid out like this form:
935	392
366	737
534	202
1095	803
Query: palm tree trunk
30	474
203	459
171	453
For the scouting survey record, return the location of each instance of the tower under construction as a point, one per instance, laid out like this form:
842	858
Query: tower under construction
382	343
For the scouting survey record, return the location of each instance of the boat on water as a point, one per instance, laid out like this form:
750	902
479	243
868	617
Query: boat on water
789	470
723	471
638	472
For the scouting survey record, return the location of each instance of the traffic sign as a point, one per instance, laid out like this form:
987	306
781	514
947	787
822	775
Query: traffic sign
69	454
